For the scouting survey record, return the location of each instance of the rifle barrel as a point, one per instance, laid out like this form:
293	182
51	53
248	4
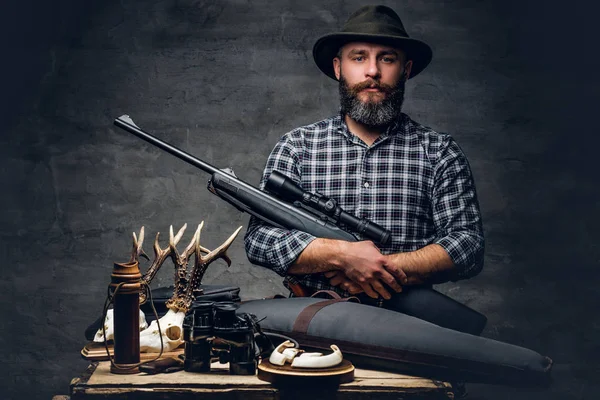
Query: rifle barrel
126	123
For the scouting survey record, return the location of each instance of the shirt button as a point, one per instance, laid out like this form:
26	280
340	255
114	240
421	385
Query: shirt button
366	184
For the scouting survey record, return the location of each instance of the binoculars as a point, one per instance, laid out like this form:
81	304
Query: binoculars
215	330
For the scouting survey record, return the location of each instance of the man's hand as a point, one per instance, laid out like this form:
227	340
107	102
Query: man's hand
363	264
339	279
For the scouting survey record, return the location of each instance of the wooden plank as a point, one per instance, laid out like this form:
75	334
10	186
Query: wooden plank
218	384
218	377
80	383
182	393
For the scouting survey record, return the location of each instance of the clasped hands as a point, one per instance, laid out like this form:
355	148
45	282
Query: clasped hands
366	270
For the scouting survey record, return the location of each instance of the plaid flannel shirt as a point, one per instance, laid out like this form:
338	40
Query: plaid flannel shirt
412	180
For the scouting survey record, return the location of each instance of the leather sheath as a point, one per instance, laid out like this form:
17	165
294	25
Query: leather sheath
164	365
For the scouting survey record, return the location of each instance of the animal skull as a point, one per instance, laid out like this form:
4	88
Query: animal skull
171	331
109	326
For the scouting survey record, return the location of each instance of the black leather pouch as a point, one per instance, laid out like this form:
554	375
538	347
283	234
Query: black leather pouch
160	296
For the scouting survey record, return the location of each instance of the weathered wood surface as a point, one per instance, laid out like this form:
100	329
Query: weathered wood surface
97	352
99	383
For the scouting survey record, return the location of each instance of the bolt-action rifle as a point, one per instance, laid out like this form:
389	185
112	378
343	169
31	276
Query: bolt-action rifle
293	208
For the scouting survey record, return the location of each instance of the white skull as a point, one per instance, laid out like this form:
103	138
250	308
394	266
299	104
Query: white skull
171	326
109	326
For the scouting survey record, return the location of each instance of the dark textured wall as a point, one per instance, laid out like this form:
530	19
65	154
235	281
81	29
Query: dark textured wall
516	84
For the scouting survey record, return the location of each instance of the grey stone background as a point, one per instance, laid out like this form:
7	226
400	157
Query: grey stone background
515	82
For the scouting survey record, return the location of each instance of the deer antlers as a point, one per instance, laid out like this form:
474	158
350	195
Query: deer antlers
186	284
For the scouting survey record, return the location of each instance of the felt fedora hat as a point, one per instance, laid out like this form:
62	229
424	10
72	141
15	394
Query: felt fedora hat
376	24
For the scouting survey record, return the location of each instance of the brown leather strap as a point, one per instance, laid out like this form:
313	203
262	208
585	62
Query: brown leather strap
306	315
303	319
330	293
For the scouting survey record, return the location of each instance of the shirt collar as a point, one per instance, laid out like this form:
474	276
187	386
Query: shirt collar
395	128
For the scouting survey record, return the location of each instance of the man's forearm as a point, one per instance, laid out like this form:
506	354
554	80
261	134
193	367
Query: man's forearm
321	255
430	264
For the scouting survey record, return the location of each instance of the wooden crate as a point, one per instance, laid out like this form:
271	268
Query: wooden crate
98	383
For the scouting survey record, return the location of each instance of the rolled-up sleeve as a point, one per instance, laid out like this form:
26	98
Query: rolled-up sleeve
269	246
456	211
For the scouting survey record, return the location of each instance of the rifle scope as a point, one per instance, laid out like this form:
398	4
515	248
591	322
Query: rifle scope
284	187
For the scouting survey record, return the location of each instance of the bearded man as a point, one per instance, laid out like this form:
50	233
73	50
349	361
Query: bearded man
378	164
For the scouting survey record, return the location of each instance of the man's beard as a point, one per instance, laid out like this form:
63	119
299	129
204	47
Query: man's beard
372	113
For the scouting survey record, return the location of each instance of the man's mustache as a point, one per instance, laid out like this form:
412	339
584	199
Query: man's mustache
371	84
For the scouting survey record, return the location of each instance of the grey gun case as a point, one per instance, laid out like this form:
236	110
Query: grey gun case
373	337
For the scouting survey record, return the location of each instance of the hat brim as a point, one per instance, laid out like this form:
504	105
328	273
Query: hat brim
326	49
